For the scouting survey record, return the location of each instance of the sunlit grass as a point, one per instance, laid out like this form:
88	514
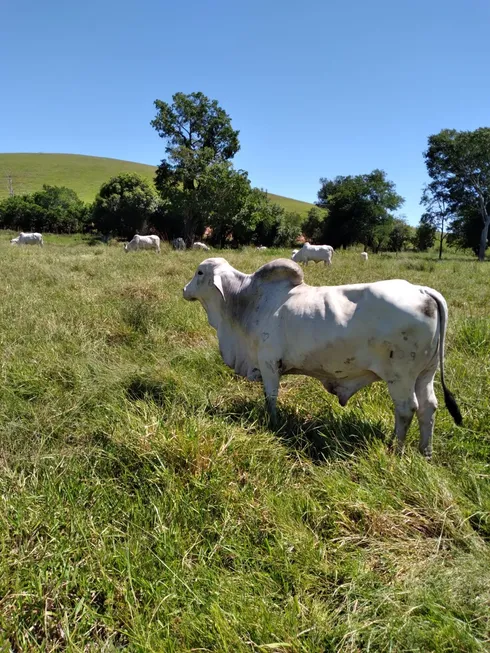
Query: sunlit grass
146	506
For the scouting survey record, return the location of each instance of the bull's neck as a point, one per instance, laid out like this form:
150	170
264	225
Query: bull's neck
216	306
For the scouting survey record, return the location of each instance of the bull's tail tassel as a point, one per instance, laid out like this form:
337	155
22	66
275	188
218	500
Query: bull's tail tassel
452	406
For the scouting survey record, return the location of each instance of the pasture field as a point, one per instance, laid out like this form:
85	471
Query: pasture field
85	174
146	505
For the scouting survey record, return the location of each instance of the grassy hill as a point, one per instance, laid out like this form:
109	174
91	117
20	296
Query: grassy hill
84	174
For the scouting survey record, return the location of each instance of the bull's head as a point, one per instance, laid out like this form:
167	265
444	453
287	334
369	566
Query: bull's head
207	280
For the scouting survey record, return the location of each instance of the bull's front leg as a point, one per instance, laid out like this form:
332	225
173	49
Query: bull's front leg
270	371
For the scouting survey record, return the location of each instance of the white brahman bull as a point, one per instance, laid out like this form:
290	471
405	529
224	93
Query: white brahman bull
28	239
271	323
364	256
198	245
314	253
178	244
143	242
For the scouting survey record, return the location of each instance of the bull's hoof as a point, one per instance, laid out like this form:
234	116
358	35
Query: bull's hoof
426	453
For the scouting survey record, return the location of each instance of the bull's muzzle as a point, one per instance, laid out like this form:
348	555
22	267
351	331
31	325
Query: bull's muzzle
187	294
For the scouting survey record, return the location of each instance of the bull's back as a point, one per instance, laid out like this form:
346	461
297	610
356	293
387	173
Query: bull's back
363	324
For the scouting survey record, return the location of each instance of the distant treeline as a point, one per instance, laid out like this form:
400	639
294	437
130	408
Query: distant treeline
128	204
198	194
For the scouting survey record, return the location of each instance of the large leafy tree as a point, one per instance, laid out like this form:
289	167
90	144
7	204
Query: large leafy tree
125	205
198	136
466	230
219	200
289	229
399	236
438	214
424	236
359	208
459	163
222	195
65	211
244	215
21	213
314	225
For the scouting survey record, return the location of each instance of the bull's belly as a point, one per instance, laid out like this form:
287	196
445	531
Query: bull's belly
325	363
345	375
336	364
343	383
317	259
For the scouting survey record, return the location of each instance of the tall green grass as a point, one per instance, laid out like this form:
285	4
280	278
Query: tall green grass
146	506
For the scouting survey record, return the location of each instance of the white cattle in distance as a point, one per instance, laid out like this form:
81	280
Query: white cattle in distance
261	247
314	253
143	242
178	244
364	256
198	245
271	323
32	238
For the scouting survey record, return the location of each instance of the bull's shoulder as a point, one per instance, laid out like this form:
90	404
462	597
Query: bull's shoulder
282	269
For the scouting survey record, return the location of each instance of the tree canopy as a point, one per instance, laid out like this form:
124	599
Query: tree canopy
125	205
466	230
400	235
358	208
458	162
199	136
55	209
437	202
314	225
196	123
424	236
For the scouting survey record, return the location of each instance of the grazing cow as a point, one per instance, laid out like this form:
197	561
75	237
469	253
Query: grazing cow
364	256
178	244
261	247
143	242
294	252
271	323
28	239
198	245
314	253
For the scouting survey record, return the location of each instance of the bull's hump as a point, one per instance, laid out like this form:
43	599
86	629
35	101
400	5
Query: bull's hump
282	269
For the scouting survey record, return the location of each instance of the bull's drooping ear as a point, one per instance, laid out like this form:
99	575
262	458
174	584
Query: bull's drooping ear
217	283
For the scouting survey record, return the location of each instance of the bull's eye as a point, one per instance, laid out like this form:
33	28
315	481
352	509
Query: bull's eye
200	272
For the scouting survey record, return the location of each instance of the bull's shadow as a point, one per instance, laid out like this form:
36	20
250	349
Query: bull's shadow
328	436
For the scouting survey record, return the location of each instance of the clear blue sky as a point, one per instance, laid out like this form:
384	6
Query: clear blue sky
317	88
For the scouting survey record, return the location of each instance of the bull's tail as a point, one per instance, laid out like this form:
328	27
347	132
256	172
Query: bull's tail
449	399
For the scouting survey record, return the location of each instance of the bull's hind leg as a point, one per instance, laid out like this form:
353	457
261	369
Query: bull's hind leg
269	371
406	404
427	405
